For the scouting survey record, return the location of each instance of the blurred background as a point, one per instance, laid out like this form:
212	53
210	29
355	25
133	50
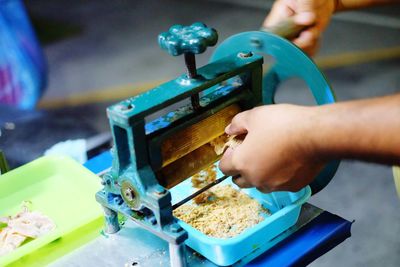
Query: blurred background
99	52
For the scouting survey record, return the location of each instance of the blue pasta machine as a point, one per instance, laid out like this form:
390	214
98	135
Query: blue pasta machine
152	154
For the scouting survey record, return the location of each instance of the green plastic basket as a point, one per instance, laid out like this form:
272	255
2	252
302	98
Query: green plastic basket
63	190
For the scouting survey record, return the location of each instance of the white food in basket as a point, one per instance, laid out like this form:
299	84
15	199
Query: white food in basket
26	224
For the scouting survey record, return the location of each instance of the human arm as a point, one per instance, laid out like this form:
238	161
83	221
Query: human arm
286	146
343	5
315	15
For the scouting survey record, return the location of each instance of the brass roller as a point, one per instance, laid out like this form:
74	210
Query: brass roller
193	148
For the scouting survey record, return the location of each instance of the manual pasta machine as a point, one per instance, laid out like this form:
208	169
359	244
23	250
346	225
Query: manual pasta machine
153	154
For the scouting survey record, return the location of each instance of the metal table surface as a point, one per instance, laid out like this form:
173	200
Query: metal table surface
316	232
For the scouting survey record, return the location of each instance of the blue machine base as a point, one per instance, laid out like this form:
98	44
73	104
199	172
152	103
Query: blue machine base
315	234
311	241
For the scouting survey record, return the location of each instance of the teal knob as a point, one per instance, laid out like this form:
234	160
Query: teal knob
188	40
192	39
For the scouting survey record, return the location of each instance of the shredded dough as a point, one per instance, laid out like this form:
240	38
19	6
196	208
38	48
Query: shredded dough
226	214
221	211
21	227
209	175
201	179
224	141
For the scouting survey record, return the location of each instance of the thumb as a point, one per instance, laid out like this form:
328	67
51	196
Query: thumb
238	124
305	18
305	13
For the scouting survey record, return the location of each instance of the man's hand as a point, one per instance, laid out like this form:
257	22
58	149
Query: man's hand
286	146
276	154
315	14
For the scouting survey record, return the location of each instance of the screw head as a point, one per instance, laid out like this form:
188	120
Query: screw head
124	107
245	54
153	220
175	228
159	189
129	194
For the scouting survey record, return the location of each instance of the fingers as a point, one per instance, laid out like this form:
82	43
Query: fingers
308	40
264	189
304	13
228	168
305	18
278	13
226	163
241	182
238	124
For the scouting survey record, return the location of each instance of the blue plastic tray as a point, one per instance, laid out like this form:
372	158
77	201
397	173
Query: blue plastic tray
284	206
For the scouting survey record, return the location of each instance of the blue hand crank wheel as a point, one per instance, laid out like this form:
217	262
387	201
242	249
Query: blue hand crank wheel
290	62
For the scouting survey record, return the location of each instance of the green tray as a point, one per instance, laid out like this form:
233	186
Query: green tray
63	190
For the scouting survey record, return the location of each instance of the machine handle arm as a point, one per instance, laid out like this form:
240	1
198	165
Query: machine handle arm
287	29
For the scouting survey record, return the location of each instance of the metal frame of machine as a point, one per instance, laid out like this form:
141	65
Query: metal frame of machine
137	183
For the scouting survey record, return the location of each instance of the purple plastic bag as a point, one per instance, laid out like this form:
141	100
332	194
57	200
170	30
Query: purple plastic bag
22	65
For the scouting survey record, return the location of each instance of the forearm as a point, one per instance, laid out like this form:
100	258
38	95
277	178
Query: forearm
365	129
342	5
